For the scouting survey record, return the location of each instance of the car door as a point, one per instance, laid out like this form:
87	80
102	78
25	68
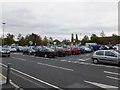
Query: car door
100	56
39	52
111	57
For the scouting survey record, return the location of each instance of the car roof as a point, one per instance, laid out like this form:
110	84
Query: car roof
105	50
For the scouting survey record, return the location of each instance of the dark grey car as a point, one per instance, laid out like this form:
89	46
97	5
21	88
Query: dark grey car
106	56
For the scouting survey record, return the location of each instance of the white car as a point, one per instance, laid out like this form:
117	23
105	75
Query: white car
106	56
13	49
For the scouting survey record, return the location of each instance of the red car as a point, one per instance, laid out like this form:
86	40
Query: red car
67	51
75	51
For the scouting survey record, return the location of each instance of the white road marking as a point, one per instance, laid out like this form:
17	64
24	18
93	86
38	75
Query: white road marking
87	55
102	85
81	60
84	59
75	62
113	78
15	85
33	77
98	65
55	66
111	73
63	60
87	59
19	58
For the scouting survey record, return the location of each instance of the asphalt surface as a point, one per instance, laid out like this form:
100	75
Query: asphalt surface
74	71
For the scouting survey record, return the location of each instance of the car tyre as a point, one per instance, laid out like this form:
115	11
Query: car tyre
95	61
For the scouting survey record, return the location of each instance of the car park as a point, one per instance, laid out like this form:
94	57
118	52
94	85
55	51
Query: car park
4	52
106	56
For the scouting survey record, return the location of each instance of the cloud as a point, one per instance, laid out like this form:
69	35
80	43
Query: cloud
59	20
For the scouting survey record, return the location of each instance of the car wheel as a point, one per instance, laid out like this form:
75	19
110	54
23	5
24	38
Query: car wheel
45	56
8	55
95	61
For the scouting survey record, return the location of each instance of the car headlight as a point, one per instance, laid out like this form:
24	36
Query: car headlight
8	51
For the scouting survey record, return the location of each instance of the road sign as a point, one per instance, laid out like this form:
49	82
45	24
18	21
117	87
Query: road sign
2	79
30	42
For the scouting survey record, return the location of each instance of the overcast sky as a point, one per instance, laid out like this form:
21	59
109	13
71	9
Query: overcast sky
60	19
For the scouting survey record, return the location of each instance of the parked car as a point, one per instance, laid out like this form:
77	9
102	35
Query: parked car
82	50
68	51
19	49
45	52
4	52
104	47
106	56
75	51
59	51
28	51
13	49
87	49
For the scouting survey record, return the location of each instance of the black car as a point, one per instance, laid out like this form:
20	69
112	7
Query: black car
45	52
4	52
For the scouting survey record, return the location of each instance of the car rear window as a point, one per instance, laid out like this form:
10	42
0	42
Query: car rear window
100	53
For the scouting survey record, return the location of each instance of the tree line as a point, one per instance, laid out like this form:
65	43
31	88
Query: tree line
38	40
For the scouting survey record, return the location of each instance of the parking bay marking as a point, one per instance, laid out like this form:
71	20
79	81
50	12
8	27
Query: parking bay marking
32	77
19	58
113	78
105	86
55	66
97	65
111	73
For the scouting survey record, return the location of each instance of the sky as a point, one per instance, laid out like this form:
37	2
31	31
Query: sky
60	19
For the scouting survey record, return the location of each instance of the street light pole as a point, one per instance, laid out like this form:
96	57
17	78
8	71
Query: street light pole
3	33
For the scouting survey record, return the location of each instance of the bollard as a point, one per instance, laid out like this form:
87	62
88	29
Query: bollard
8	74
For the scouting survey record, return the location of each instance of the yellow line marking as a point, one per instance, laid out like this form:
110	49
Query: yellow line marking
1	75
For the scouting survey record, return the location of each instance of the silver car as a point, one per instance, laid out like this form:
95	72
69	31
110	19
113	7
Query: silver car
106	56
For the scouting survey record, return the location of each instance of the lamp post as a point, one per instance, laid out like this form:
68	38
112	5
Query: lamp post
3	33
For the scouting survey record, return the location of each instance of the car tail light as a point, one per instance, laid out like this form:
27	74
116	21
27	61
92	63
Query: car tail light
50	53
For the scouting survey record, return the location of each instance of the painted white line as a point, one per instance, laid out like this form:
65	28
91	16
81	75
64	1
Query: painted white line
81	60
98	65
75	62
19	58
87	59
63	60
111	73
15	85
56	66
32	56
101	85
69	61
87	55
33	77
113	78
